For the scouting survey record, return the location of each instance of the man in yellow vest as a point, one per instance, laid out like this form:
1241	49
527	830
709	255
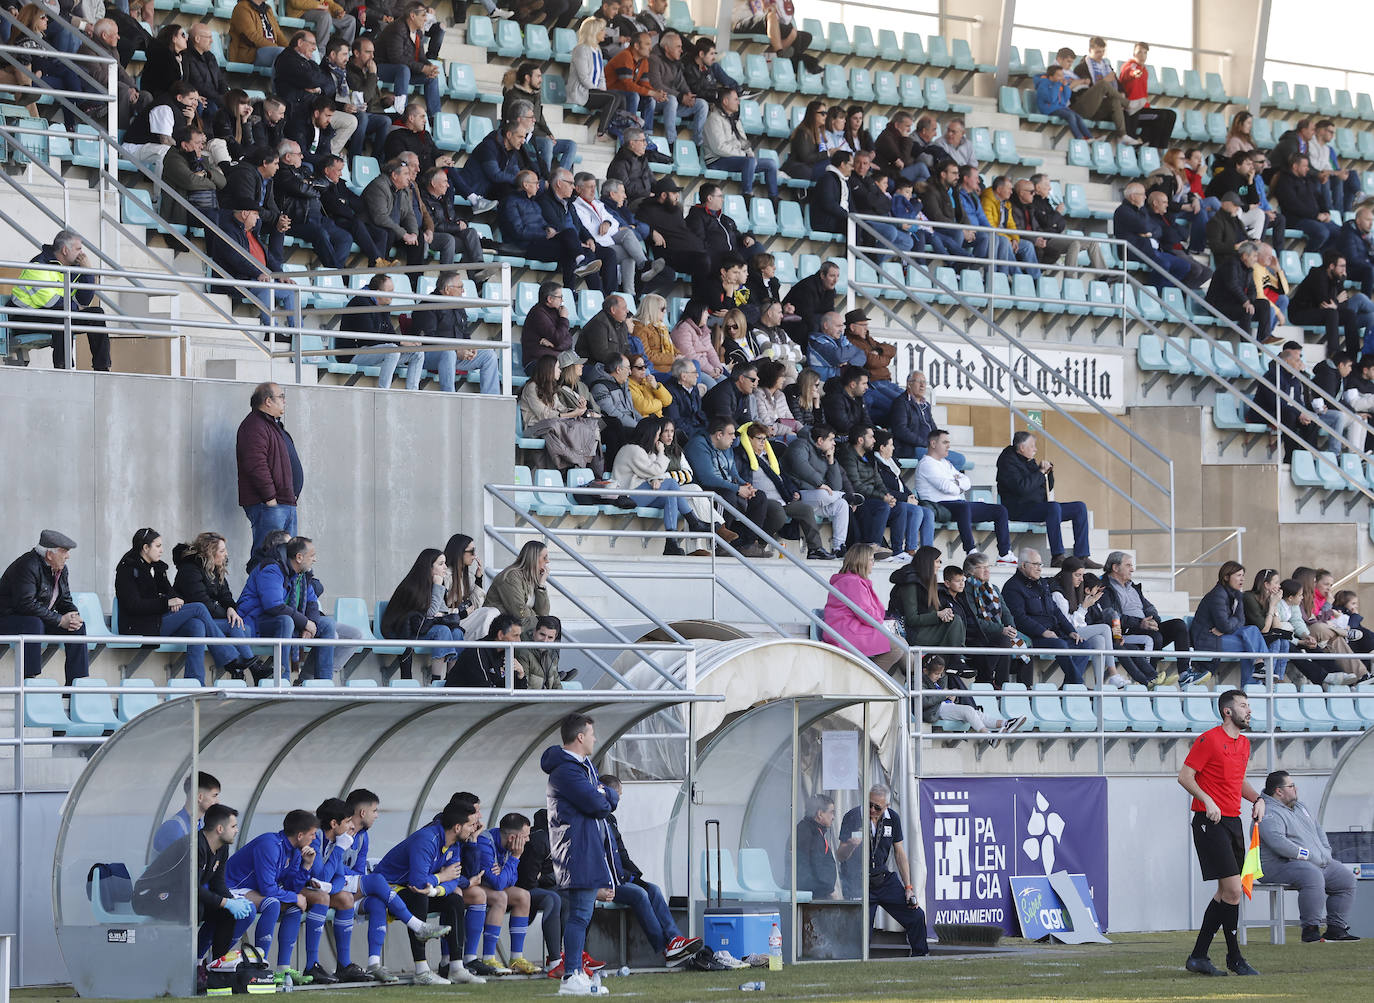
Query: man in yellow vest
65	251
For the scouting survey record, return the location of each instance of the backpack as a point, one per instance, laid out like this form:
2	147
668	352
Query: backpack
251	975
115	888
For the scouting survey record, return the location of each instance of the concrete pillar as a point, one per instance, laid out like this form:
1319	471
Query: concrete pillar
1239	27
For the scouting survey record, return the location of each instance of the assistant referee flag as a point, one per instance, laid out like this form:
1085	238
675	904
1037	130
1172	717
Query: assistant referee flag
1251	868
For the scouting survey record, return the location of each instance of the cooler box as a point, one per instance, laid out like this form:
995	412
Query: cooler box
739	930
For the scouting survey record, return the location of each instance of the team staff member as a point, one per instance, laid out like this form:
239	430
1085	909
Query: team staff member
815	851
885	889
1214	774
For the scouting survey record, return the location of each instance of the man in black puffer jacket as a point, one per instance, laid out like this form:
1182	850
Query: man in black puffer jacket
298	194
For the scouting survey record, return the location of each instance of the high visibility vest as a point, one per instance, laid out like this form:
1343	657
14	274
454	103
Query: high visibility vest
37	297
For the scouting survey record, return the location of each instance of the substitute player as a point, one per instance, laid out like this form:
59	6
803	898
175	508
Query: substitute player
1214	774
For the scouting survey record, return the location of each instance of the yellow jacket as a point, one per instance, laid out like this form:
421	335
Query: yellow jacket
648	401
246	35
296	8
658	347
999	215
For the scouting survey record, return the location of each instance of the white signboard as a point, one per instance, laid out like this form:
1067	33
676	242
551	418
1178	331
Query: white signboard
840	760
963	375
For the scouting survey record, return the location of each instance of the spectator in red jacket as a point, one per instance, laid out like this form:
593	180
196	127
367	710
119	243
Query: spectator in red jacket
270	472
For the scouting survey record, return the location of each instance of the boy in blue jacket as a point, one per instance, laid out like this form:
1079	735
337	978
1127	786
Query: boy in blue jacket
426	870
272	872
372	894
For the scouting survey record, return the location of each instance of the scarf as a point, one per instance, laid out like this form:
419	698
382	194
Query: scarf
749	449
986	602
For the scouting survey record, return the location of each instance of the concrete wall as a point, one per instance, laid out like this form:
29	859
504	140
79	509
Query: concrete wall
387	473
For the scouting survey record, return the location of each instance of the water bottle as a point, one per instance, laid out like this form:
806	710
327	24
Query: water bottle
1116	629
624	971
775	950
752	987
286	984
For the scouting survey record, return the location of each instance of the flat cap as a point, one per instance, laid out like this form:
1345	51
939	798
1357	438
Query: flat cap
51	539
570	358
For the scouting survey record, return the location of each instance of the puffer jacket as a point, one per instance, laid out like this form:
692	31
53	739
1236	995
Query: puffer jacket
694	341
579	836
142	591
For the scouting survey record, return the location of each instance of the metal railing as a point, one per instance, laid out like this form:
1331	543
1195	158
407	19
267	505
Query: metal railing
1126	255
1103	738
527	523
281	682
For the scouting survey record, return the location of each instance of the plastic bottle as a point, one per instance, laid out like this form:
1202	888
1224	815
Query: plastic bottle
1116	629
752	987
775	949
287	984
624	971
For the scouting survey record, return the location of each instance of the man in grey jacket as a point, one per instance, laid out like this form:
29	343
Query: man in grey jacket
726	148
1294	851
610	386
389	209
666	74
810	461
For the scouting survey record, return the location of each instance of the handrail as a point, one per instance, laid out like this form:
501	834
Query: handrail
1236	533
857	220
725	506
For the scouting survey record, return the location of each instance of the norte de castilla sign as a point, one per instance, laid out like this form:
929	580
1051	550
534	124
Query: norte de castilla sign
1061	375
979	831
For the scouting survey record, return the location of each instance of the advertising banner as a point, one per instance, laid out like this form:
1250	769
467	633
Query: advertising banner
979	831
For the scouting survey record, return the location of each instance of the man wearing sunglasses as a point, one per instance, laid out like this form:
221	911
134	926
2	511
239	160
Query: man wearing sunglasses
891	891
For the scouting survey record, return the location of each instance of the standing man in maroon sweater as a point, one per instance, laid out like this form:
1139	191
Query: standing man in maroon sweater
1214	774
270	472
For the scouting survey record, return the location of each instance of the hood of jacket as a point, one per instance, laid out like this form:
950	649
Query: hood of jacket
551	758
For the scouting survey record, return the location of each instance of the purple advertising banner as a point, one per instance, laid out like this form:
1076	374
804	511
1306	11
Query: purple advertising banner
979	831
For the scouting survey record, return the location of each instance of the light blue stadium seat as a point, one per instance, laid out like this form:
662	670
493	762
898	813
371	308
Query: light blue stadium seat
937	97
837	39
751	117
775	121
937	51
555	500
1004	142
462	81
1079	712
756	875
1113	713
1139	714
403	684
756	74
1077	294
1169	82
1288	714
362	172
1345	716
913	49
1169	709
1104	159
730	888
981	138
352	611
1016	702
132	702
1304	469
1100	296
861	85
1048	709
680	18
1227	413
784	77
1312	706
1149	354
448	132
1080	155
762	220
231	684
1201	350
1033	62
538	45
889	49
44	710
481	33
790	222
479	126
1049	287
1353	467
93	710
1023	288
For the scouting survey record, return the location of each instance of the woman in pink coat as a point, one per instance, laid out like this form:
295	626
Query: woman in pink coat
853	582
692	338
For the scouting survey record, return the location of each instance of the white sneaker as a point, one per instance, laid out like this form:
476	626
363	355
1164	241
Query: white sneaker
500	14
459	973
1118	681
578	984
430	978
1006	559
432	931
1129	141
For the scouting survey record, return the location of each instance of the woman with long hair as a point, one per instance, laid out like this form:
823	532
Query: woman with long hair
642	465
832	138
1219	624
854	582
730	338
564	419
163	70
1330	636
149	606
521	590
804	398
464	593
587	78
651	328
1185	207
806	158
202	577
930	619
1264	610
771	403
1238	139
237	128
692	339
856	136
988	623
24	73
417	611
680	470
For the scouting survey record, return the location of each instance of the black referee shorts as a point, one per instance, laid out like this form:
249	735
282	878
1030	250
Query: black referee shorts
1220	846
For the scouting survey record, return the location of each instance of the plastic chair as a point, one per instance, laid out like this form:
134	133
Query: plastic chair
44	710
1016	702
1048	710
1169	709
730	888
1078	708
94	710
1139	713
133	703
756	875
481	34
538	45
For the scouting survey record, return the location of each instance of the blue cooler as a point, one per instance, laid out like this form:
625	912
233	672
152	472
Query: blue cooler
741	930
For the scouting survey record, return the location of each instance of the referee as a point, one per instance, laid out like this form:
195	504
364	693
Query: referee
1214	774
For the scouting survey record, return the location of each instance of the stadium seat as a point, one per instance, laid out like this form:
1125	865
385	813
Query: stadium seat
937	51
352	611
564	41
1080	155
983	151
885	88
462	81
837	39
1169	82
132	702
1126	164
538	45
1199	708
775	123
756	875
448	132
1139	714
1033	62
784	77
1302	99
861	85
1079	713
680	18
790	222
1288	714
1104	159
937	98
728	877
762	220
913	49
1005	144
1169	709
481	34
44	710
554	500
479	126
751	117
1016	703
1345	716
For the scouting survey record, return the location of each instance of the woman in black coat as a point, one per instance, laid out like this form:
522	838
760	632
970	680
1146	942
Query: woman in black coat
1219	624
202	577
146	604
163	70
418	610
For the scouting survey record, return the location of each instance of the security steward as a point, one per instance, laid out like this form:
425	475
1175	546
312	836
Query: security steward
891	891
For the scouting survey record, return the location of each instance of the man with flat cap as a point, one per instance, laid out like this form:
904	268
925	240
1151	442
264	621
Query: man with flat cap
36	598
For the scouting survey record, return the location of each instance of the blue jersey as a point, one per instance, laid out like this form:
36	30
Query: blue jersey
270	866
500	865
355	857
417	860
328	867
176	827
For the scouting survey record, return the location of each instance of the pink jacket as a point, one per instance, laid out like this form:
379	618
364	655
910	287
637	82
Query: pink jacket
695	343
860	591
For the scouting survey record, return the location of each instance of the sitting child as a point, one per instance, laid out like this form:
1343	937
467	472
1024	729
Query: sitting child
946	705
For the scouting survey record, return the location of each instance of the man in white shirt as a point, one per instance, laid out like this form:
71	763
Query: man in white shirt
607	232
940	482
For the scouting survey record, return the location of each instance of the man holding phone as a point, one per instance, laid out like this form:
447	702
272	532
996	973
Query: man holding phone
891	891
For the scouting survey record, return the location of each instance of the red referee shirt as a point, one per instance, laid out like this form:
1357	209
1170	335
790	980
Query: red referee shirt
1220	763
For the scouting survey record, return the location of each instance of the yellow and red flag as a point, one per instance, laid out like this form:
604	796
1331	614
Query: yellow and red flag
1251	868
